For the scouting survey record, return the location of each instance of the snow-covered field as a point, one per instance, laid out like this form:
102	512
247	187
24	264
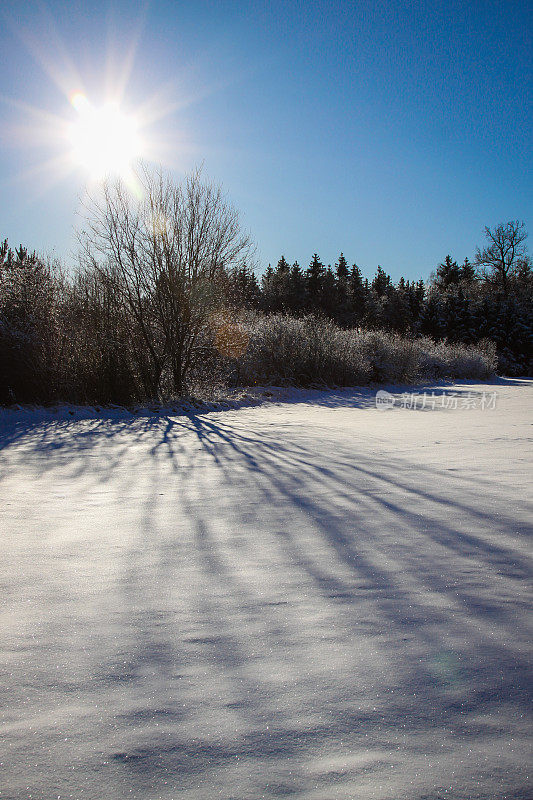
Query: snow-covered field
311	599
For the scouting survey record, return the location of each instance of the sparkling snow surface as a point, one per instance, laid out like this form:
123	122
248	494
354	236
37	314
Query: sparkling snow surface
311	599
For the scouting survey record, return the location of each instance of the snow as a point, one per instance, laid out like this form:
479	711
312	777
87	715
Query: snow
311	598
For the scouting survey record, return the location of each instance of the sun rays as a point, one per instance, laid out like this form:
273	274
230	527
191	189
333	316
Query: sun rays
97	132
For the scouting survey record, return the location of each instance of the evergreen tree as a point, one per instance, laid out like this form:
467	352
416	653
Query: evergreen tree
416	294
396	311
244	288
342	314
275	287
381	282
432	318
341	268
458	317
296	289
420	291
281	285
448	273
357	296
329	298
314	281
468	273
268	294
374	309
282	266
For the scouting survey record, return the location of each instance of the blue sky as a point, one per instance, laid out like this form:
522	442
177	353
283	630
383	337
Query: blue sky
393	131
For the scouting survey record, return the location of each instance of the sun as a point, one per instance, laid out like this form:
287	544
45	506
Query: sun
94	138
104	141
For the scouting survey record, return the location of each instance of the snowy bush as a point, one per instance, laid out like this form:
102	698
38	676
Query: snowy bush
445	360
311	351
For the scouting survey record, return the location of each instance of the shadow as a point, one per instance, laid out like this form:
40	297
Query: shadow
275	593
49	425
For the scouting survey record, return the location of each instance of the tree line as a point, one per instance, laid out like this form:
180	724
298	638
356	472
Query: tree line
164	293
491	298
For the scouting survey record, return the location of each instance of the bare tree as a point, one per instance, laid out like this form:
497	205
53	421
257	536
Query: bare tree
165	254
504	254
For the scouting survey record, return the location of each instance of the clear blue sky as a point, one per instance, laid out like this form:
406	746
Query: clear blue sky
393	131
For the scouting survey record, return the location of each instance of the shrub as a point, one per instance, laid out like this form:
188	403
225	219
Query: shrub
310	351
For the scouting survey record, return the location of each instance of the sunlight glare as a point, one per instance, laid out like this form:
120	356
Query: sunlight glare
105	142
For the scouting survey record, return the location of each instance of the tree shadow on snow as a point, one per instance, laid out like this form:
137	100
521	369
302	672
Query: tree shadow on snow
277	544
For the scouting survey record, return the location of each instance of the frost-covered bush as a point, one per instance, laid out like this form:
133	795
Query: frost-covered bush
307	351
311	351
445	360
29	332
389	357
